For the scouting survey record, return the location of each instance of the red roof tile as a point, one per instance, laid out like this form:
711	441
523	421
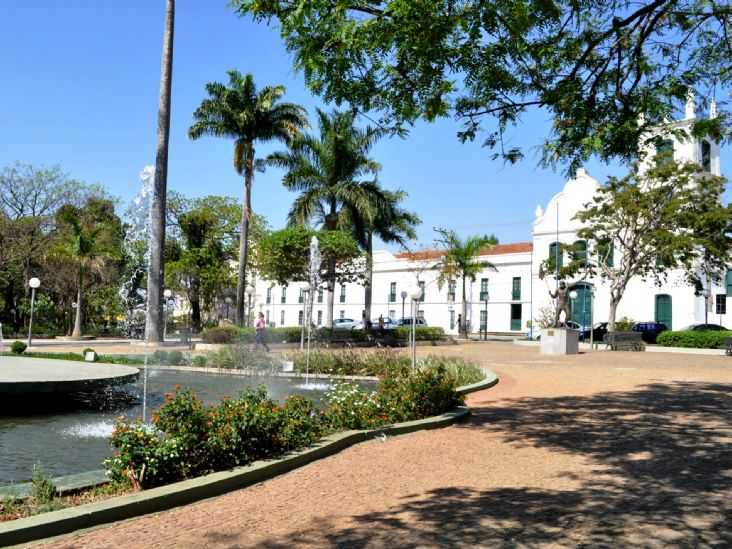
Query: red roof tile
498	249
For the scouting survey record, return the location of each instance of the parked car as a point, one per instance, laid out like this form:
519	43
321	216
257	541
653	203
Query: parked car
649	330
535	333
598	331
704	328
408	322
344	324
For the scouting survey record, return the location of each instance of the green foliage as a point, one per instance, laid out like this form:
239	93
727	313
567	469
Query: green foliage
421	333
284	256
381	363
693	339
42	487
239	358
667	217
194	439
18	347
175	357
593	67
625	324
199	361
160	356
107	359
234	334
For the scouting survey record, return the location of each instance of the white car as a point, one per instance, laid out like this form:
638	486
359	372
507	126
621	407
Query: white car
344	324
389	323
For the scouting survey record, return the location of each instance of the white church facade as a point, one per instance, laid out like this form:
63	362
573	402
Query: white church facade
508	298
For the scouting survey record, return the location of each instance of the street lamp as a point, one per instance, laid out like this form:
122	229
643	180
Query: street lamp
415	292
572	296
167	294
249	292
404	296
33	283
228	301
305	287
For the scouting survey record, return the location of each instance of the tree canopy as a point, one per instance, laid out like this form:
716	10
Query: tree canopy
593	65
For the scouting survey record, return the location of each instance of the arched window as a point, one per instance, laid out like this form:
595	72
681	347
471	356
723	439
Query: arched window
706	156
664	152
605	253
555	257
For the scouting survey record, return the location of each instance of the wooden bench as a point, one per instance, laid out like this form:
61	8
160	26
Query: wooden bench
335	338
728	346
623	341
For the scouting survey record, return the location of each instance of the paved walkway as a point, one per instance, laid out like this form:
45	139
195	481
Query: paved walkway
601	449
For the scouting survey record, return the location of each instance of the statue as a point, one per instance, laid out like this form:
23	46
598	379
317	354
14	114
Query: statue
562	297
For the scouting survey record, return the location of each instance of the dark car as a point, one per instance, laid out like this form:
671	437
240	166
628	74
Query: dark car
599	329
704	328
649	330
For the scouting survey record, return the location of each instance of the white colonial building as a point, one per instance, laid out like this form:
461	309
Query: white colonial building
513	295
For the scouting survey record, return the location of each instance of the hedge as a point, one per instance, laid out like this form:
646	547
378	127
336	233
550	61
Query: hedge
692	339
234	334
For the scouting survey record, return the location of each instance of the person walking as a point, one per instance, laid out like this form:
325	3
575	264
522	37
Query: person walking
260	334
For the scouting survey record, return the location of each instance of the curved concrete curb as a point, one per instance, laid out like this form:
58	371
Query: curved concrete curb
154	500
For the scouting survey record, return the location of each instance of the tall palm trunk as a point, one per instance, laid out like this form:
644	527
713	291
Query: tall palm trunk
330	225
246	214
463	328
156	273
77	321
367	289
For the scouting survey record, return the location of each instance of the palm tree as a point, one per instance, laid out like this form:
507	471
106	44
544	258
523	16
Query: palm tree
246	115
330	172
392	224
459	262
88	247
156	271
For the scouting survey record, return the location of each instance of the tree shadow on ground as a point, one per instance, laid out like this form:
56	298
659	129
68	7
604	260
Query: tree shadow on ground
664	457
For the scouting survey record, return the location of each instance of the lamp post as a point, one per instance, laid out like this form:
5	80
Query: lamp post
415	293
404	296
249	291
228	304
167	294
572	297
305	287
33	283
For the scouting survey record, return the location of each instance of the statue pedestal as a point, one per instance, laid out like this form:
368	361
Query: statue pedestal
559	341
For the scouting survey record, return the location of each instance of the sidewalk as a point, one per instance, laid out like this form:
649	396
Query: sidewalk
598	449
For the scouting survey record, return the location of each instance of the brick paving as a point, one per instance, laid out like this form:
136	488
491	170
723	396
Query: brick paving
599	449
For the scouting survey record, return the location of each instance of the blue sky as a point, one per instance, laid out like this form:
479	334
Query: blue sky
80	82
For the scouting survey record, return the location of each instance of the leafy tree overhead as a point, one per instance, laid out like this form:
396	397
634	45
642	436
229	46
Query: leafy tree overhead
593	65
246	115
651	222
459	261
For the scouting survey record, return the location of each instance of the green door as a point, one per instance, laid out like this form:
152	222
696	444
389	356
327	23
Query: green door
582	305
663	310
515	317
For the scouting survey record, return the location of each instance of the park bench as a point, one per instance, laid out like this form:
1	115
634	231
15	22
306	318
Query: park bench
335	338
623	341
728	345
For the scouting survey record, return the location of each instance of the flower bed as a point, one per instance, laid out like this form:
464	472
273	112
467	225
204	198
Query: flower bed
190	439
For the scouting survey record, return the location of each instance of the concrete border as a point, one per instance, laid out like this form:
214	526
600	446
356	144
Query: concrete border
65	521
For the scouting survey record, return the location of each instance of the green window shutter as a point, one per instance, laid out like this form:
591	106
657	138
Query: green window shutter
664	152
729	282
554	256
706	156
580	250
516	288
605	252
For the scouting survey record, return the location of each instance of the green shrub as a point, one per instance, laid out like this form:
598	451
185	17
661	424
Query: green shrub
196	439
42	487
199	361
240	358
422	333
18	347
175	357
693	339
88	350
625	324
160	356
220	334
